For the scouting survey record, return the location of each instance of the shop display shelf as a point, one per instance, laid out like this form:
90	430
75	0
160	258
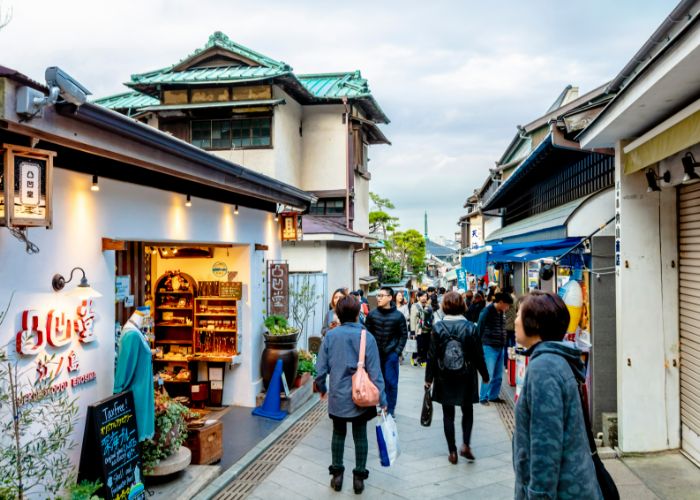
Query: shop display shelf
166	308
165	381
175	293
163	360
216	330
209	297
175	342
215	314
173	325
214	359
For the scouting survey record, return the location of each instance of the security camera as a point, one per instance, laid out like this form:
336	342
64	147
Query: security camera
68	88
31	102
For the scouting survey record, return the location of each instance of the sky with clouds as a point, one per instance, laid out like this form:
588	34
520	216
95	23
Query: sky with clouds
455	77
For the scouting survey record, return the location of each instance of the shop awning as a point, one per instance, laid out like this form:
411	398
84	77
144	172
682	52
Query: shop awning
518	252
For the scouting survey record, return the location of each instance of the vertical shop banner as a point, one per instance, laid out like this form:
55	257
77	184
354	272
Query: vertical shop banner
462	279
278	289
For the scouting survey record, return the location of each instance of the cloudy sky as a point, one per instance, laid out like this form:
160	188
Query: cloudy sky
455	77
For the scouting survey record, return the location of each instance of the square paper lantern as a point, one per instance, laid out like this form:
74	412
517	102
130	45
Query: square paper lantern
26	186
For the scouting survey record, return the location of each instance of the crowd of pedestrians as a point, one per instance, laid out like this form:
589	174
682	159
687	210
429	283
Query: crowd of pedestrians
459	337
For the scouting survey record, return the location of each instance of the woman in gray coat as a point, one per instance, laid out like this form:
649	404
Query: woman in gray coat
338	359
551	453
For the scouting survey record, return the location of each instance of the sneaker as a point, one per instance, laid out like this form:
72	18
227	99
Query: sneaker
423	364
497	400
484	402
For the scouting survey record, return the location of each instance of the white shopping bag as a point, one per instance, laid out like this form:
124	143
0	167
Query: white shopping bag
387	440
411	346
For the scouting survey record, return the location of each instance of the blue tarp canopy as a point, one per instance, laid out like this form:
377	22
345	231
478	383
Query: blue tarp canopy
518	252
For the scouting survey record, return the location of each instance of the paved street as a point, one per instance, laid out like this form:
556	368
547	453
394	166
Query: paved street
422	470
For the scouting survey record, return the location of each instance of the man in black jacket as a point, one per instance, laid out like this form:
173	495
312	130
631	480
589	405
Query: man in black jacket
492	330
388	325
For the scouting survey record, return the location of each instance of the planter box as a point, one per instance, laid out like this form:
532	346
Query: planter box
206	443
302	379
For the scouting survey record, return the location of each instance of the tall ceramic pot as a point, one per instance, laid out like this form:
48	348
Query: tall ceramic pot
282	347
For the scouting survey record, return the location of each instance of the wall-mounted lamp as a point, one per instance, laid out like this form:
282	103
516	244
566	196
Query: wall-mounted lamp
652	179
277	216
689	165
235	210
188	203
58	282
95	186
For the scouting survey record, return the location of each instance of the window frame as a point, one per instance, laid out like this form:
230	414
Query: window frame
231	129
325	212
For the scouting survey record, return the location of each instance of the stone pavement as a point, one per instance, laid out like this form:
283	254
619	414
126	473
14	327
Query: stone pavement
422	470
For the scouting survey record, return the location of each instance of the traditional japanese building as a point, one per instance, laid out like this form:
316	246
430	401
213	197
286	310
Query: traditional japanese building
311	131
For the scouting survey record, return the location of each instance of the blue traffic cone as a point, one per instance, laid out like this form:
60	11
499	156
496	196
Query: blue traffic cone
271	406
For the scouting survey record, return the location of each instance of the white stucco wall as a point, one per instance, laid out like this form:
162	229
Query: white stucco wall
305	256
127	212
491	224
339	265
324	148
361	222
283	160
335	259
647	344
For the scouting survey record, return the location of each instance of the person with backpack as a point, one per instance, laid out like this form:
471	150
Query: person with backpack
455	355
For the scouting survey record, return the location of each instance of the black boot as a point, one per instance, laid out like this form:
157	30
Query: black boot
337	479
358	481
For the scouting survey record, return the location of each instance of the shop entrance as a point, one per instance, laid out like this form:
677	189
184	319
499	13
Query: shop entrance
194	293
689	321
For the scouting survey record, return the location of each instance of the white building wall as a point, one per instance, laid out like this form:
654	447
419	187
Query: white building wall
324	155
339	265
283	160
305	256
491	224
361	222
128	212
647	343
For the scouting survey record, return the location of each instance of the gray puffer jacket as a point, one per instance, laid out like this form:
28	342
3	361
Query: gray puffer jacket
551	455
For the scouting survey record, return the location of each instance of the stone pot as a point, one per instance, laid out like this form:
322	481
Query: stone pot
282	347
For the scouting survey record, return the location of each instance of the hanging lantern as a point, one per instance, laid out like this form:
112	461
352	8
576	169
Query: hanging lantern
290	226
26	184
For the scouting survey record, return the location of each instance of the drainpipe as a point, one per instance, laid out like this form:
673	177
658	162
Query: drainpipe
348	170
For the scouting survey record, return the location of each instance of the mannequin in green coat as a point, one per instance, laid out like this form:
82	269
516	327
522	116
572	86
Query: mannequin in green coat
135	373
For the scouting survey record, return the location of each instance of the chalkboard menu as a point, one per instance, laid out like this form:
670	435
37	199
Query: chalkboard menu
110	450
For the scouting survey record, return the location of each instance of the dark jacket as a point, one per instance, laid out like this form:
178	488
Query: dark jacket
448	388
337	359
551	454
389	329
492	327
475	310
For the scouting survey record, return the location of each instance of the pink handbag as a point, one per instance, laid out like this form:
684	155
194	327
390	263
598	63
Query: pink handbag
364	392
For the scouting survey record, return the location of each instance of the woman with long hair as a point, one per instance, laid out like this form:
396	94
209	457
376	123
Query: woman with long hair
338	359
476	307
451	371
331	319
402	305
551	453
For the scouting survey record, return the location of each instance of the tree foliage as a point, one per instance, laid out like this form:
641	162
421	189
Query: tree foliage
401	251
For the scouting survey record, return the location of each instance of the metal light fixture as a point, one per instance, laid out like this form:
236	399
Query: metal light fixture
58	282
235	210
188	203
689	165
95	186
652	179
277	216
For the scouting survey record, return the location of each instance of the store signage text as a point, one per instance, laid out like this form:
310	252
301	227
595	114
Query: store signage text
279	289
56	330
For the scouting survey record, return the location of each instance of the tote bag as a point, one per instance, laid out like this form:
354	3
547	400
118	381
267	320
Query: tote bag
364	392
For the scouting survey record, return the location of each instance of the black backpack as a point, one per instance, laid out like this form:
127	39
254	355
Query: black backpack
451	360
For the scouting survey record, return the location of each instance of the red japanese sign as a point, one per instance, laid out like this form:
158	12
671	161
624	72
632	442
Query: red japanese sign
278	289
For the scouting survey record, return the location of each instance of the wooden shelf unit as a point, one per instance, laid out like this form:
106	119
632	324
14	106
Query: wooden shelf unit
221	313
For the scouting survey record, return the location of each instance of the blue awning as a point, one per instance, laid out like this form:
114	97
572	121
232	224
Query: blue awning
518	252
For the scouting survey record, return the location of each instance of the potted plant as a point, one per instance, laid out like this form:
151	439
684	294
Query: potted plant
305	369
171	431
280	343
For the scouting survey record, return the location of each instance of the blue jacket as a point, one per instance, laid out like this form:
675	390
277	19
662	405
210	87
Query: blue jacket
337	359
551	454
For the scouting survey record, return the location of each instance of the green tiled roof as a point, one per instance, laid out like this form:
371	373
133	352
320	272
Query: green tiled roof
207	75
336	85
127	100
308	89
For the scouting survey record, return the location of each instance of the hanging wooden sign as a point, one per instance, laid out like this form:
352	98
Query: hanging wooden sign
278	288
290	226
26	185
